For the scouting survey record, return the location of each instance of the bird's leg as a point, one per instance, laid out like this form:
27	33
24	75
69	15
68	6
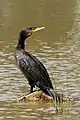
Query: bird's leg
31	89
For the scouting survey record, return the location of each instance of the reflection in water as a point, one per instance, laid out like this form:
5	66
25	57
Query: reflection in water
23	111
57	47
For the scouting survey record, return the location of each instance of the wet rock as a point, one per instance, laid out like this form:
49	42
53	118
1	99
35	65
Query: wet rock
40	96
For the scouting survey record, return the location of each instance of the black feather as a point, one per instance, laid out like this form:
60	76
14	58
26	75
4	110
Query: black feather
33	69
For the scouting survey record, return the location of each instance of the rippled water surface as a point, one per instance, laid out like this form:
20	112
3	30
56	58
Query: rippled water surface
58	47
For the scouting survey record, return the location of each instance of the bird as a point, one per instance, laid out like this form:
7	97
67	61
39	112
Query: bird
31	67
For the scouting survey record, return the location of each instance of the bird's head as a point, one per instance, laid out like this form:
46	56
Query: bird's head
28	31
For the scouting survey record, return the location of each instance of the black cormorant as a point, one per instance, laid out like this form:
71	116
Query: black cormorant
30	66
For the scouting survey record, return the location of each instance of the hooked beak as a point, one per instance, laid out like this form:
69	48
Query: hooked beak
38	28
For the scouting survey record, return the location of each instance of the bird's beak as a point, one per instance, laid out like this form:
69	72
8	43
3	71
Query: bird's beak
37	29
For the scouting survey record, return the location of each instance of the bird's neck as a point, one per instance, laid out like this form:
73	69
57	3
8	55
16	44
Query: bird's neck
21	43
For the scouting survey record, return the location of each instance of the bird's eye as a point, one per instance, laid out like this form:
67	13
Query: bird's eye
24	31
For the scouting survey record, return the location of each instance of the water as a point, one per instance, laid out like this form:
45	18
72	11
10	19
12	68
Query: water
58	47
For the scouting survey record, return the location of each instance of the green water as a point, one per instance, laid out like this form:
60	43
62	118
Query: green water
58	47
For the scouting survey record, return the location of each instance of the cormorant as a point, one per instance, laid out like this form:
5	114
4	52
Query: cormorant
30	66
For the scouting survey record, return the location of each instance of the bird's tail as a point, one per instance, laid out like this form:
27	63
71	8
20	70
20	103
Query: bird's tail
49	91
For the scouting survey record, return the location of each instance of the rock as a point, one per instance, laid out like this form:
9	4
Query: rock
38	96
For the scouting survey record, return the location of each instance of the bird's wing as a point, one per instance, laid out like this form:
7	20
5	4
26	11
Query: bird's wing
26	65
41	71
34	70
41	67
